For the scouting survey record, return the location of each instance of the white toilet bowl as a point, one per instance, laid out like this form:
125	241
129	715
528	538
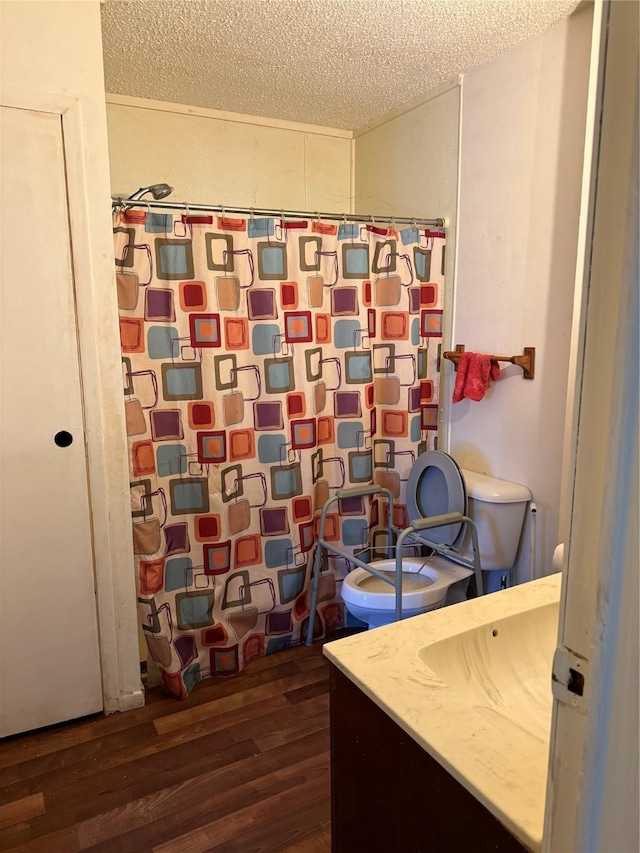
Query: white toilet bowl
427	583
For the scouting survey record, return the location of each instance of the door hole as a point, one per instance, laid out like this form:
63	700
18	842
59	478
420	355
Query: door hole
63	438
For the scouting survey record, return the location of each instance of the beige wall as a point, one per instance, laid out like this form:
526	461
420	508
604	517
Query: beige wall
51	55
522	143
219	158
408	166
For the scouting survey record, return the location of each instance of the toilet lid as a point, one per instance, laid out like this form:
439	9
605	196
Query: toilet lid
436	486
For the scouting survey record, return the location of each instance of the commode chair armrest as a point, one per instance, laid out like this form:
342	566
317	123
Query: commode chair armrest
438	520
359	491
449	518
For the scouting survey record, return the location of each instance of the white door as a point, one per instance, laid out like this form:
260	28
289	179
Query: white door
49	655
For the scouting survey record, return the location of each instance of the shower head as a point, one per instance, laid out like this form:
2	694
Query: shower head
158	191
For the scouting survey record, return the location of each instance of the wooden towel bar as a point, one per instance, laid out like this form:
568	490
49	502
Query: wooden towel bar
527	361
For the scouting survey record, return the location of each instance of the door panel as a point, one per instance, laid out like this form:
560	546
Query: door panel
49	654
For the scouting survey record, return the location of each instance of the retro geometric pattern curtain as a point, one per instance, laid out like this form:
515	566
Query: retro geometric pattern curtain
266	364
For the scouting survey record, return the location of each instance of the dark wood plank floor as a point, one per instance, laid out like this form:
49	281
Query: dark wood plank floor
242	765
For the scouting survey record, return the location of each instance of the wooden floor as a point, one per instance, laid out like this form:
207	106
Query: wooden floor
242	765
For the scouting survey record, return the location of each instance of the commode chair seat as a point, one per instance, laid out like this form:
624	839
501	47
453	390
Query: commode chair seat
426	583
435	487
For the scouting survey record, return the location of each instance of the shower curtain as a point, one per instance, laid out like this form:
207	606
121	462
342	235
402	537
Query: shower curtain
266	364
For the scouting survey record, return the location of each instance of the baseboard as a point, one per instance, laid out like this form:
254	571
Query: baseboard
125	702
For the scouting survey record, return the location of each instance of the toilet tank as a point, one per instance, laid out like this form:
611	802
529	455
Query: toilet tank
497	507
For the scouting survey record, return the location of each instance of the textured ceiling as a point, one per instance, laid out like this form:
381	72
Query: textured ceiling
337	63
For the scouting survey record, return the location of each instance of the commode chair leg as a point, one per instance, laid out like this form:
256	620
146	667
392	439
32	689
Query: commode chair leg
322	544
476	560
315	575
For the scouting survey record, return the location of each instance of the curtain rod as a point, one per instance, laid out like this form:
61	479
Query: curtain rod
287	214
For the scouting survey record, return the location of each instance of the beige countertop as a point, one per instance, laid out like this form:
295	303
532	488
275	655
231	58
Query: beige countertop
499	762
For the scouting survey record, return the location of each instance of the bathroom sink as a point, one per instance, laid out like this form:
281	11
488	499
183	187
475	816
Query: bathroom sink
471	684
503	669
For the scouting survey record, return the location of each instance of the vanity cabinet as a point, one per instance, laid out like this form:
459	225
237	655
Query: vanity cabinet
389	795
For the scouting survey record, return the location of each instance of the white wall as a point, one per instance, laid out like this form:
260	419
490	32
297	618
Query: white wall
52	61
227	158
522	141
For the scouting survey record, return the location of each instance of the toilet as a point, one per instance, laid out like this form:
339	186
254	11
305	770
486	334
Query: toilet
436	486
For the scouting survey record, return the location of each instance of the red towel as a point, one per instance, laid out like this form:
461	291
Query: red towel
475	371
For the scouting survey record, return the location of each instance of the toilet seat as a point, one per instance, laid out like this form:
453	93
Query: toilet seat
435	486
